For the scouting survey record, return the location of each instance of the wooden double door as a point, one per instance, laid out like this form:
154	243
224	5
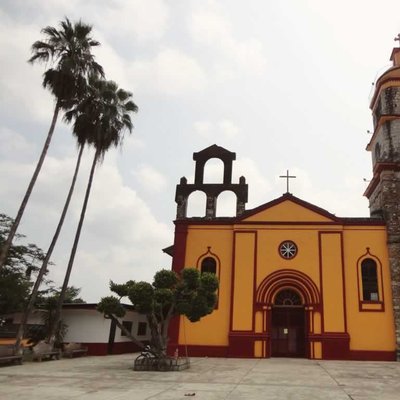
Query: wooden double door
288	331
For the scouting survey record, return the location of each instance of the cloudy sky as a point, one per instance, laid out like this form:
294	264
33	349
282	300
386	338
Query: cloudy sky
284	84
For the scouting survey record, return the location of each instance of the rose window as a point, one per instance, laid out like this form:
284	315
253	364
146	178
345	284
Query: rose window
287	249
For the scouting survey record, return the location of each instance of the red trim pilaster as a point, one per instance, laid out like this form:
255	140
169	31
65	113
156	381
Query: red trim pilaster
178	263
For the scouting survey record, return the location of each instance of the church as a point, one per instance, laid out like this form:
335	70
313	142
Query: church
296	280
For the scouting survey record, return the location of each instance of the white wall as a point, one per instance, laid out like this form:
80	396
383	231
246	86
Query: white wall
89	326
135	318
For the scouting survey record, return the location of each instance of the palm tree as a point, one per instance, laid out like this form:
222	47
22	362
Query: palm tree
43	269
81	134
69	52
103	117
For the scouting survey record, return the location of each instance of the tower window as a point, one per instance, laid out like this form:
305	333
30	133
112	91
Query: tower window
209	265
377	152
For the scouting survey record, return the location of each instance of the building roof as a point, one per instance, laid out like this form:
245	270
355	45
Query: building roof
249	216
90	306
169	250
214	151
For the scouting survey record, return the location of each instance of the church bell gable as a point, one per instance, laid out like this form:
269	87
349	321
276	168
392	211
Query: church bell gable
211	190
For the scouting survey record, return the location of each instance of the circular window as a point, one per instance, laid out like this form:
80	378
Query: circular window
288	249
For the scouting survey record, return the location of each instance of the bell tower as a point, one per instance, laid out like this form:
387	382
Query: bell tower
212	191
383	192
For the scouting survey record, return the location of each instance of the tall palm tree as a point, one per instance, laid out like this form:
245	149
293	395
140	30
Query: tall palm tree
81	134
43	269
103	117
69	52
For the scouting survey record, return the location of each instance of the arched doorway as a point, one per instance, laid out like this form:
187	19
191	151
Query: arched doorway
288	325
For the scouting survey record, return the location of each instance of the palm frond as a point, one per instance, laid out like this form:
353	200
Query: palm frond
68	50
103	116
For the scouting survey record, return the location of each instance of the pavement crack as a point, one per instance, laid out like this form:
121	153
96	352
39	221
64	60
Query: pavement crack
339	385
241	379
161	391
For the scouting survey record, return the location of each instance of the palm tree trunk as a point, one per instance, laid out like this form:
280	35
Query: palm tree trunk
7	244
127	333
46	260
52	333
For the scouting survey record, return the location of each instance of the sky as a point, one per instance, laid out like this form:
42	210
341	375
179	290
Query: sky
284	84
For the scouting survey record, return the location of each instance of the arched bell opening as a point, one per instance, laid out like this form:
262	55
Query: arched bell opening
213	171
196	204
226	204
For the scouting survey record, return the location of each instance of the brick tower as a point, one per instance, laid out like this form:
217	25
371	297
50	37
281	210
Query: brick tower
383	192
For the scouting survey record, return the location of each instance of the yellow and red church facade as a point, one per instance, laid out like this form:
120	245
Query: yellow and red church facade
296	280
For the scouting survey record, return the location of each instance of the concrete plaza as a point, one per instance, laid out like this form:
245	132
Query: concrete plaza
112	377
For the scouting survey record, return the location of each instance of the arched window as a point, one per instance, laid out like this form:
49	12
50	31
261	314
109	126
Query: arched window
288	297
369	276
209	265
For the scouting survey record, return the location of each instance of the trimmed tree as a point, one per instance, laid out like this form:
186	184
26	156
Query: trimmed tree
191	294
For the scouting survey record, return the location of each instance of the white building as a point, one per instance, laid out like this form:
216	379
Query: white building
87	326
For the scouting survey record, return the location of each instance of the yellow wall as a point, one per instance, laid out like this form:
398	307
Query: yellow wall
335	247
269	260
212	329
244	281
288	211
368	330
332	282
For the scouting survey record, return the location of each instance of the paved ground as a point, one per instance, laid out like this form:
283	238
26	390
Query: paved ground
111	378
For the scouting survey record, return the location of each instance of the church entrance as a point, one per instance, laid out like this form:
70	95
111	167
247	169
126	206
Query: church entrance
288	325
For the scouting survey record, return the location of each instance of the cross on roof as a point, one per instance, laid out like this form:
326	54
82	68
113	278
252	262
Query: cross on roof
397	38
287	176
